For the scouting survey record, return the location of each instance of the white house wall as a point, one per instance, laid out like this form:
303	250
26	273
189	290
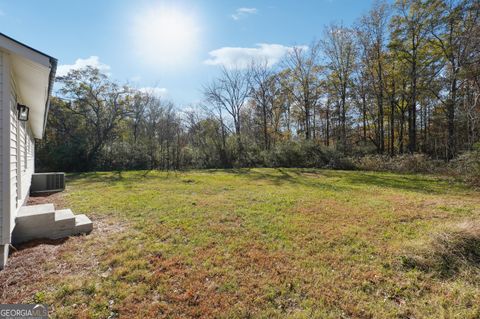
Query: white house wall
21	156
1	148
26	159
5	141
14	149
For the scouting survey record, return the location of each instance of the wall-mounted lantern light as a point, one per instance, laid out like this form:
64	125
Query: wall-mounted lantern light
23	111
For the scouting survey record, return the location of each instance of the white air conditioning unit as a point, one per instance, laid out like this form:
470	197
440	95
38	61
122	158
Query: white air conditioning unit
47	183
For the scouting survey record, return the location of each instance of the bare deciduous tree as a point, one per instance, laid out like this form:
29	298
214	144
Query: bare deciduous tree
263	85
340	50
229	93
303	83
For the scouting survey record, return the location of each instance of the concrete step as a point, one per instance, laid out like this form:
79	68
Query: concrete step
42	221
64	218
35	214
32	220
83	224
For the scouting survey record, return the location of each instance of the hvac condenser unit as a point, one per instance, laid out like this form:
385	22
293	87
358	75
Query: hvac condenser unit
47	182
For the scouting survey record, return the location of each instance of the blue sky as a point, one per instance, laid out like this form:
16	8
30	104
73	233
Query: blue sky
172	46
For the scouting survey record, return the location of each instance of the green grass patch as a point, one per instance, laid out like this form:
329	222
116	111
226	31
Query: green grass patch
262	243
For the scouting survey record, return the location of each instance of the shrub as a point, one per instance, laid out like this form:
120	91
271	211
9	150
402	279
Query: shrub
467	167
306	154
285	154
407	163
449	252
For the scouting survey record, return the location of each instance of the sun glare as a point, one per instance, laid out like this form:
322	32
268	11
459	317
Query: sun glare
165	36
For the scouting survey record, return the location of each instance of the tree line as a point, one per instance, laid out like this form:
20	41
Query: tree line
404	78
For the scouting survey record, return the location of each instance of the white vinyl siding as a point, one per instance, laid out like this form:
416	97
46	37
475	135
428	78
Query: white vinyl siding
14	189
23	134
21	156
1	142
26	160
30	151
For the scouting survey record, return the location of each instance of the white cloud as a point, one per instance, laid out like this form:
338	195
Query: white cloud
157	91
2	13
93	61
241	13
238	57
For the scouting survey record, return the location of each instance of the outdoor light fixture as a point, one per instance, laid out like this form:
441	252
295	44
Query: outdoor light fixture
23	111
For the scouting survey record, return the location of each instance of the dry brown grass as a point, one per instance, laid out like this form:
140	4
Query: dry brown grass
449	252
33	265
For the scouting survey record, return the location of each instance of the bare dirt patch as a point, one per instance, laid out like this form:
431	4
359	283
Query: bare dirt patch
56	199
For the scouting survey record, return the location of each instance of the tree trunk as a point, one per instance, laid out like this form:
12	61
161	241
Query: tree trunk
344	118
327	133
392	127
412	111
307	120
364	116
451	121
381	114
265	128
381	130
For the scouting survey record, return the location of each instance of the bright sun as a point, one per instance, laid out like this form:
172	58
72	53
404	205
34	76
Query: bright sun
165	36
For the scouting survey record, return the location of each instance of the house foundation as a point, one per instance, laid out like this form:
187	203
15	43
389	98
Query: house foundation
3	255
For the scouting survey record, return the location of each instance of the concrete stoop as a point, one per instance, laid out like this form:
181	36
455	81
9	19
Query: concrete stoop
43	221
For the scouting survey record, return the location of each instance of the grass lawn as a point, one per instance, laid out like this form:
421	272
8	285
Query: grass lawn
260	243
